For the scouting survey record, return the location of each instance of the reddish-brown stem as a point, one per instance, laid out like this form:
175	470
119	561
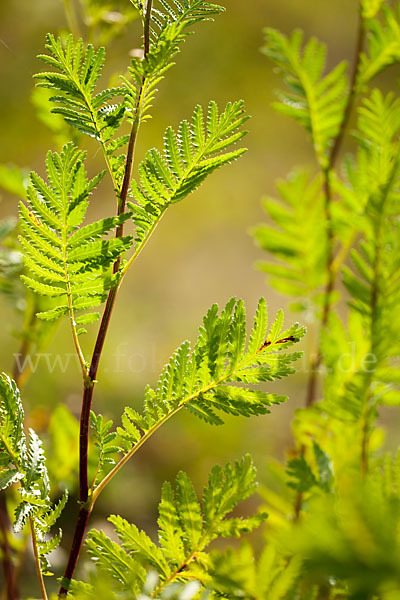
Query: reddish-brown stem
364	448
80	528
89	384
311	391
146	27
128	170
353	92
297	506
331	273
330	284
88	389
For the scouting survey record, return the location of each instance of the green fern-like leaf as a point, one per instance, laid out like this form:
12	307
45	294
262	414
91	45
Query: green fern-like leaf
66	261
168	29
317	102
78	70
190	155
269	575
372	278
201	380
104	442
25	463
35	467
99	114
374	506
186	528
12	437
371	7
296	240
73	82
383	41
303	476
343	397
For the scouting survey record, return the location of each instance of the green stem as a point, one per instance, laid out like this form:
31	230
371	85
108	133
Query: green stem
176	573
71	312
37	560
97	491
226	377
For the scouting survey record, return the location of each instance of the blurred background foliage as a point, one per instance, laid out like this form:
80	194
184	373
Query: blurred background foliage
202	253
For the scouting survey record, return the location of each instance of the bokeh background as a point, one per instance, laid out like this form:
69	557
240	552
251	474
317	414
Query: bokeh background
203	251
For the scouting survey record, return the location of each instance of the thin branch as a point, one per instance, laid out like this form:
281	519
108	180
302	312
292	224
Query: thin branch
226	377
72	20
37	560
365	446
297	506
131	453
353	91
146	27
71	312
79	534
87	507
105	322
90	380
374	325
176	573
332	266
18	369
77	345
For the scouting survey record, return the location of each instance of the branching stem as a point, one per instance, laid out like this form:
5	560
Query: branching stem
87	505
332	264
184	402
332	267
374	323
90	380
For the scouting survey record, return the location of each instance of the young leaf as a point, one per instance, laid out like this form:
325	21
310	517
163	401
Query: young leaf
168	29
190	155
